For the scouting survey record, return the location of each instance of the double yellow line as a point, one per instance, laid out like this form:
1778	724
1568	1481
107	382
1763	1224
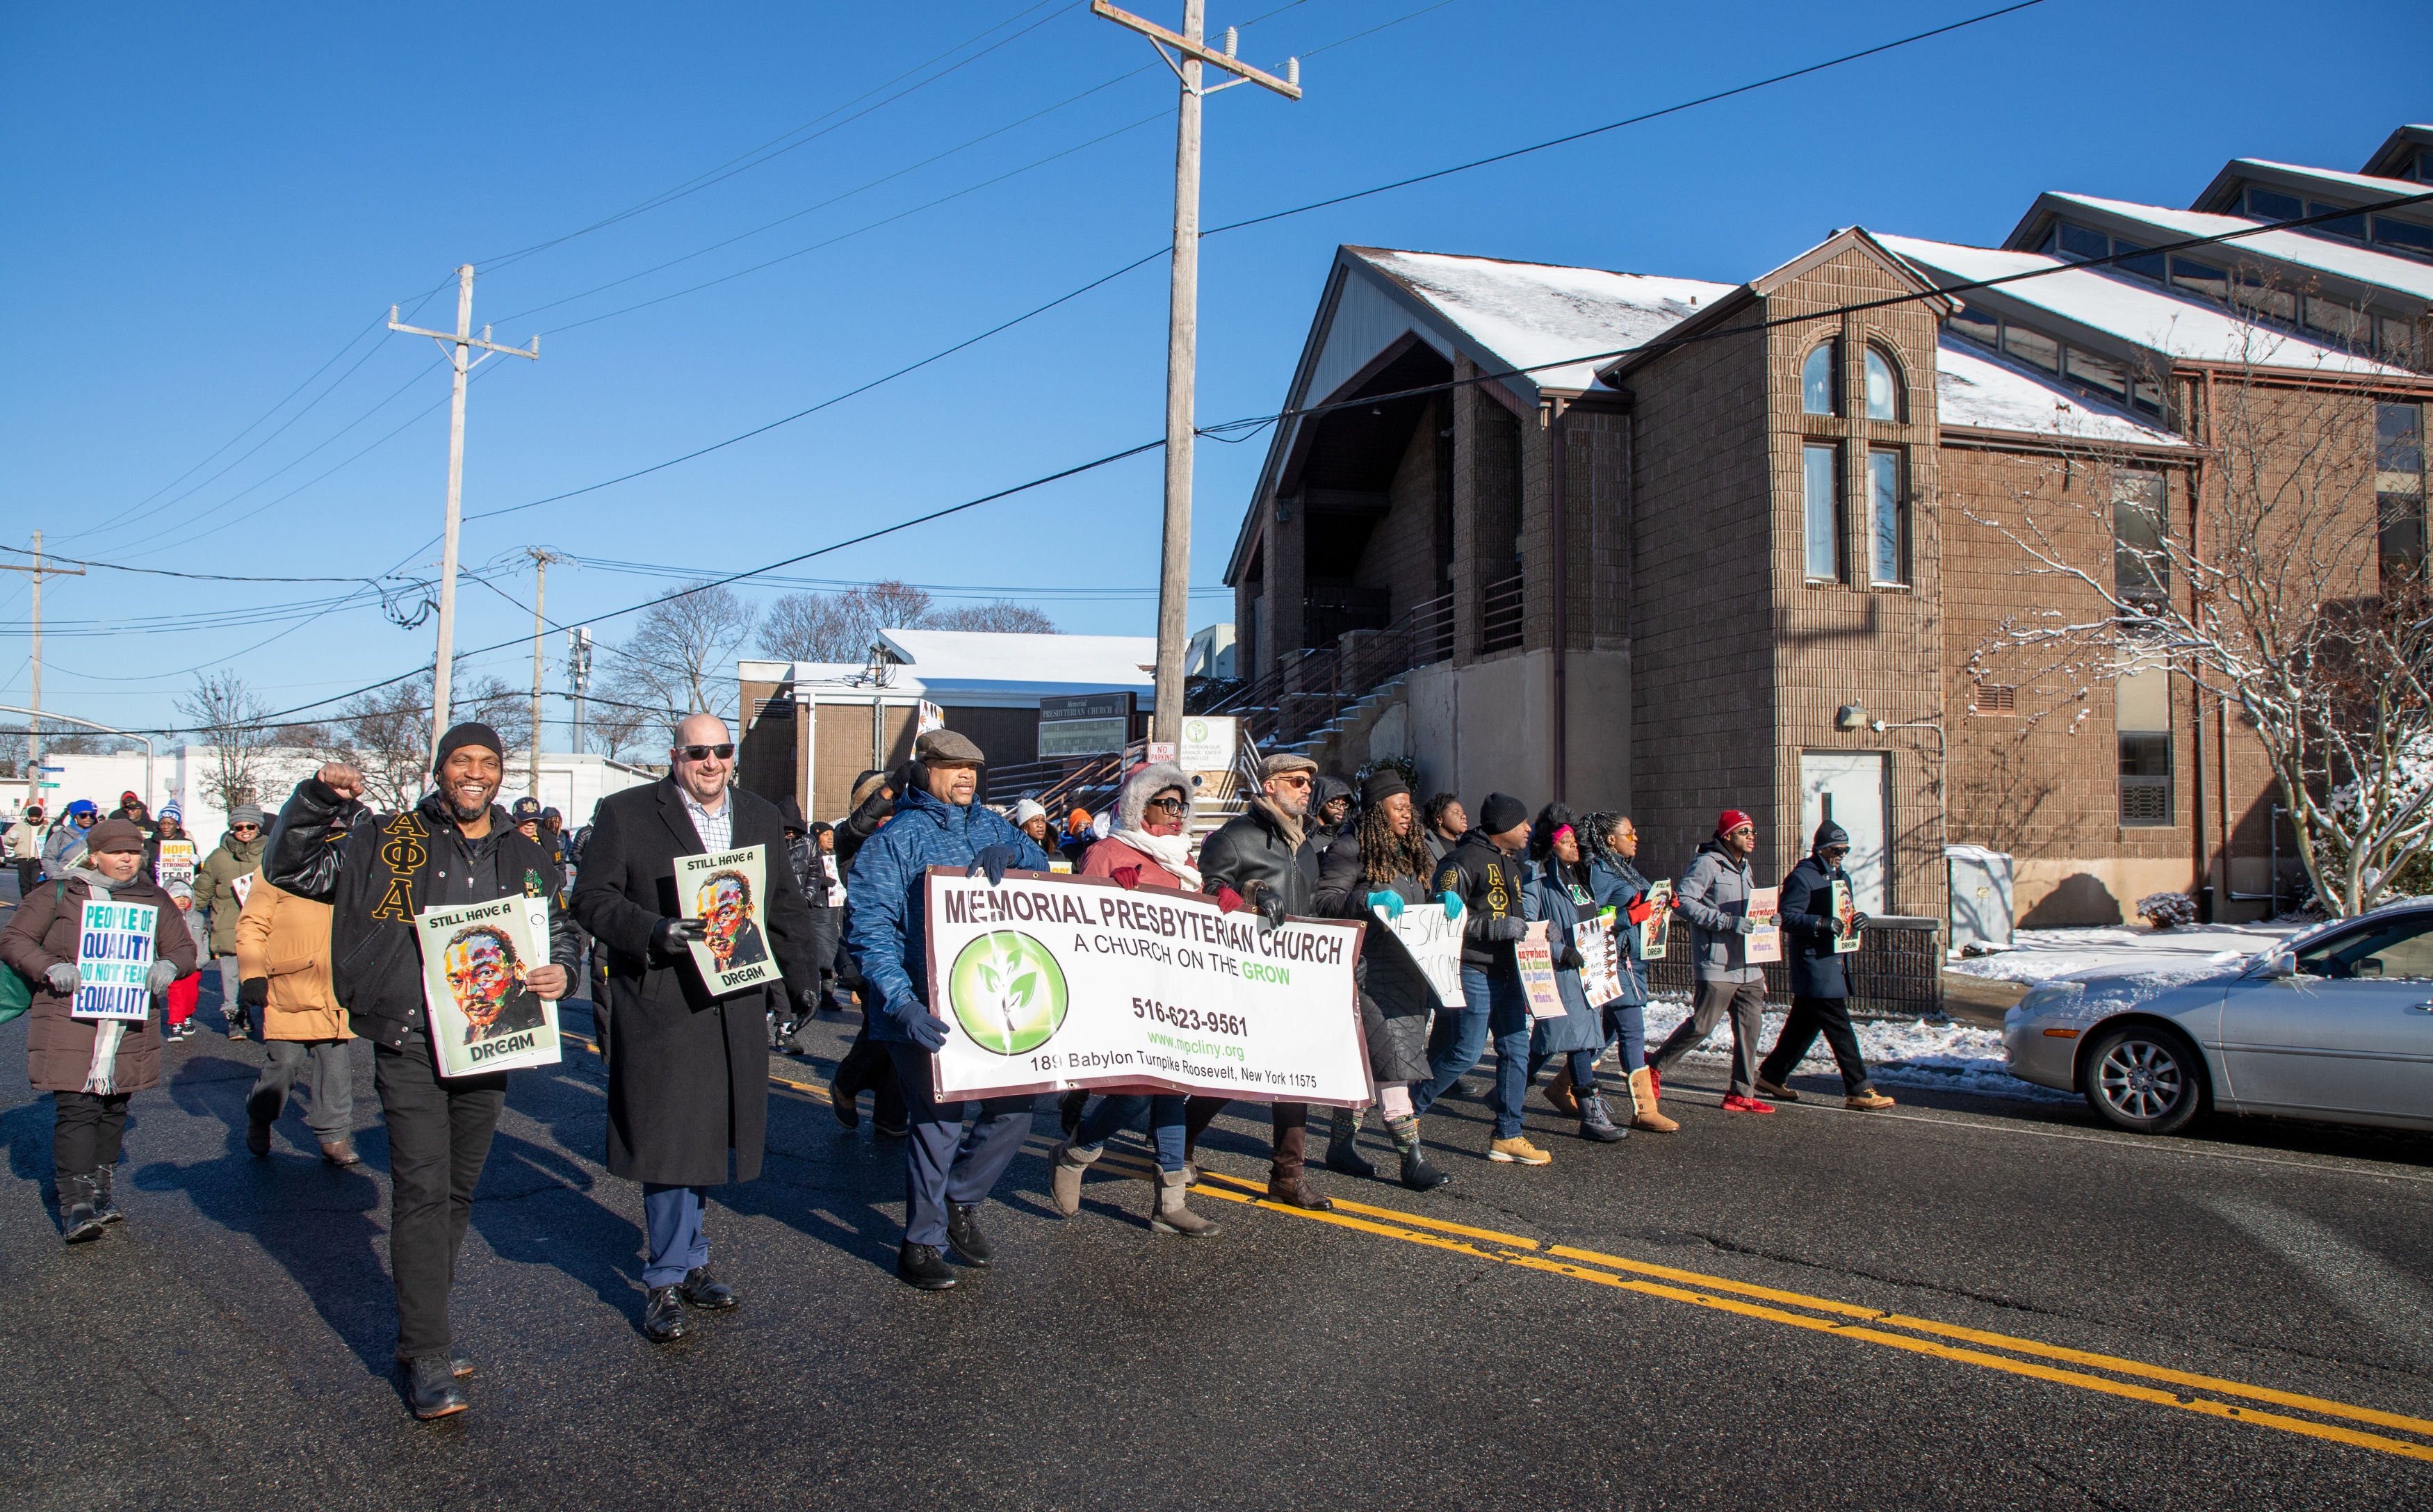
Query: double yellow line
2204	1395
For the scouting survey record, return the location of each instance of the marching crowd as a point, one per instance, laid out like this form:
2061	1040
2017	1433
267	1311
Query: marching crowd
307	920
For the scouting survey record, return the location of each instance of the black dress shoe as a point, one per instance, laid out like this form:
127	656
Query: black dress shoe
459	1364
891	1131
257	1138
700	1289
845	1102
964	1237
663	1319
917	1264
430	1389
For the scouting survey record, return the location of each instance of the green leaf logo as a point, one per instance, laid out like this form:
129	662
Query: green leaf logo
1006	991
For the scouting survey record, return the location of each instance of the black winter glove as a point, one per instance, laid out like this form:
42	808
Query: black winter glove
670	937
254	991
1269	904
994	859
1508	929
880	802
1568	957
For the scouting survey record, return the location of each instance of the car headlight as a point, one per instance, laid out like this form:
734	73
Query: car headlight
2050	997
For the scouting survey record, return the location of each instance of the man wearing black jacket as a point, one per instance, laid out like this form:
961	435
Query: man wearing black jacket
378	872
866	1066
1820	975
1485	873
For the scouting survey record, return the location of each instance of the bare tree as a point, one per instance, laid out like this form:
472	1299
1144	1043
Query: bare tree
839	627
386	733
679	657
227	714
1000	615
2300	601
814	627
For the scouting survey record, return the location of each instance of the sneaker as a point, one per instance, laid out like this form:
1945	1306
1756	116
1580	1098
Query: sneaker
1519	1152
1778	1094
1738	1104
1868	1101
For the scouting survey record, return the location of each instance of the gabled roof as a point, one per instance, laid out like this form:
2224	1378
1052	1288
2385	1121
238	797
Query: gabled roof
2398	151
2404	275
1976	390
1530	315
982	667
2127	310
2221	196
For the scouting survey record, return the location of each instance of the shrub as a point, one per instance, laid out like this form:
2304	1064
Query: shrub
2164	910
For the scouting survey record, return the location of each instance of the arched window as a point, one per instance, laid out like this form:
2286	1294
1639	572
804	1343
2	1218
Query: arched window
1816	381
1883	388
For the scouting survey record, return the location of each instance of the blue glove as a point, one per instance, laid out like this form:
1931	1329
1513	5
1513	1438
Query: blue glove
1452	902
928	1030
1389	903
992	859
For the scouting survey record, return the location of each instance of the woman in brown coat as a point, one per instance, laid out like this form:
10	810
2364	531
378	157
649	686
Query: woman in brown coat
282	963
91	1068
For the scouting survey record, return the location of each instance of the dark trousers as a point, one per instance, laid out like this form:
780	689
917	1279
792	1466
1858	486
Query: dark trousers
1810	1017
332	1113
29	871
866	1066
1496	1007
1745	1004
85	1131
942	1163
671	1217
439	1137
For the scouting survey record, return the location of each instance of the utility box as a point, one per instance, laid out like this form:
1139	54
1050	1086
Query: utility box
1980	897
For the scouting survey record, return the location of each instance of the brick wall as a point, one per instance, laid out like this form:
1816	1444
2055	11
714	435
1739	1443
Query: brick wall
1401	553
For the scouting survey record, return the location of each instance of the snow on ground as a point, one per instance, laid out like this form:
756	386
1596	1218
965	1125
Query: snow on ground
1900	1053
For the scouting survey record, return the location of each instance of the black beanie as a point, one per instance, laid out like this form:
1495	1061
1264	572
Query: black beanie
1830	833
1381	785
472	731
1502	811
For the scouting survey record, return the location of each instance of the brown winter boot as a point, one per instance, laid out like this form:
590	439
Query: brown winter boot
1559	1092
1643	1105
1286	1182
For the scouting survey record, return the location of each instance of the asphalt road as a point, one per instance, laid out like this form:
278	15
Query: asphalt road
1965	1303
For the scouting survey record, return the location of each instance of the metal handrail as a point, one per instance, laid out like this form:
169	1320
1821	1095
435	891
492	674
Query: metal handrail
1500	611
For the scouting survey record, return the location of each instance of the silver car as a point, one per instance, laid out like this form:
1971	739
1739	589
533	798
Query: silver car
2336	1024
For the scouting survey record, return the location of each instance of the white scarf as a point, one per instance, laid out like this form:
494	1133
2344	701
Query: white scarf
1173	851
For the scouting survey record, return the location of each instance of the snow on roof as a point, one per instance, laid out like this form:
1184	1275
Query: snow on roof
1976	389
1007	667
2365	267
2380	188
2133	310
1534	313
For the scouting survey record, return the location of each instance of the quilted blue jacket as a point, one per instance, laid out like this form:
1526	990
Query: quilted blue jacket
889	935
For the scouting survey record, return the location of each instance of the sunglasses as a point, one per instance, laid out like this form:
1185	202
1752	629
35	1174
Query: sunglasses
1172	805
244	829
702	753
1295	779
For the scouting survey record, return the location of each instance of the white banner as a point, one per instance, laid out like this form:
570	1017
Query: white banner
114	958
1435	943
1047	982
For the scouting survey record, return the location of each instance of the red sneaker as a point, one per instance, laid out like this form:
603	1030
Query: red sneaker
1738	1104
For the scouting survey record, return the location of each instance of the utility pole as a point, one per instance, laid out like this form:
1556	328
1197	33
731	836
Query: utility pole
1182	322
458	345
37	571
578	676
542	556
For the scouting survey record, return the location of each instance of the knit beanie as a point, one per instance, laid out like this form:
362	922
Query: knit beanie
472	731
1381	785
1501	812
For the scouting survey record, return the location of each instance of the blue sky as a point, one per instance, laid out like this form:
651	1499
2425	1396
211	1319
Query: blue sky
209	203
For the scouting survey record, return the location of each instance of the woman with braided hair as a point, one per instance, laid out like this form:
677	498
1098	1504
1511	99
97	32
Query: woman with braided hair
1383	865
1613	851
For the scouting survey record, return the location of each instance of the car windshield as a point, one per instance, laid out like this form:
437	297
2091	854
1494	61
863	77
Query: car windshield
2399	947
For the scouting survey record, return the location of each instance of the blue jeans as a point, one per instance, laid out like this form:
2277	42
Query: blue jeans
1460	1040
1627	1023
1123	1111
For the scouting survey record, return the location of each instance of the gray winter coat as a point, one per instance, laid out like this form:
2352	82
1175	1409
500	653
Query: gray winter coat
1714	894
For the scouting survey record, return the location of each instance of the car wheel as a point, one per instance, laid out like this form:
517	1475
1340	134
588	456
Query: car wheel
2144	1079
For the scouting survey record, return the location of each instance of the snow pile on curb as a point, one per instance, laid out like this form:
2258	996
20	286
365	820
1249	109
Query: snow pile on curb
1900	1053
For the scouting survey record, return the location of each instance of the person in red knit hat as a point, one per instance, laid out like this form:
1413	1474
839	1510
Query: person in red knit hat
1714	895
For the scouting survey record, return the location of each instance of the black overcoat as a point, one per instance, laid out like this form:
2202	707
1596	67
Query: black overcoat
689	1079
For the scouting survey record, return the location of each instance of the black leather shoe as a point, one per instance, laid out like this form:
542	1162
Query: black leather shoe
430	1389
257	1138
890	1131
917	1264
1346	1160
700	1289
964	1237
847	1104
105	1208
663	1319
1420	1175
458	1365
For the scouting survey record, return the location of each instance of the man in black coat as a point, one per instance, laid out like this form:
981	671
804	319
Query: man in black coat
1265	861
1485	872
377	872
691	1077
1820	975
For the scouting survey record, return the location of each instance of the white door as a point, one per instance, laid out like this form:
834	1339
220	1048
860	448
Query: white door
1849	787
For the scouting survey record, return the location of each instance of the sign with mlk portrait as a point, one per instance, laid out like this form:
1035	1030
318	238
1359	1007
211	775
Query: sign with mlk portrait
724	892
476	959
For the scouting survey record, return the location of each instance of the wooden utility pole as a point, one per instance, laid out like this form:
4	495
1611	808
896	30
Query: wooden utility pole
542	556
36	570
1182	323
458	345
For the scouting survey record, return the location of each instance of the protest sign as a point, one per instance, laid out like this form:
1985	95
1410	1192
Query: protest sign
836	880
1766	944
244	887
1431	941
113	956
1047	982
1536	959
475	958
1847	941
1656	935
724	892
1600	943
177	861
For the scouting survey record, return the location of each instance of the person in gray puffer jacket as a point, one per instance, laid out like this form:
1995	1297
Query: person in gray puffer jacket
1714	894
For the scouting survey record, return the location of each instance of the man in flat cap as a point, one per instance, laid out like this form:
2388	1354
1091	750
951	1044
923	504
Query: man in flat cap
378	872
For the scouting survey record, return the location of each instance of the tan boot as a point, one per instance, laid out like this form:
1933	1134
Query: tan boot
1867	1102
1561	1095
1065	1166
1643	1105
1171	1216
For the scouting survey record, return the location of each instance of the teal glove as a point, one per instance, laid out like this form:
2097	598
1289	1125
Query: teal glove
1452	902
1387	903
